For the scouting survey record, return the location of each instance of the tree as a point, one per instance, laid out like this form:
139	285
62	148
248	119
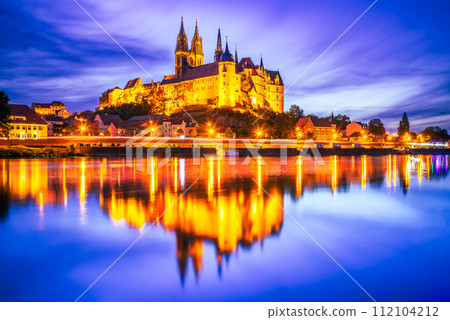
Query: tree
5	113
229	133
193	133
295	112
342	121
282	126
180	132
435	134
376	127
403	125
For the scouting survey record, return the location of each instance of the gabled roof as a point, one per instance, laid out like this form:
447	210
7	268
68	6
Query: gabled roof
22	110
301	122
107	119
53	118
131	83
321	122
246	63
153	117
203	71
273	75
47	105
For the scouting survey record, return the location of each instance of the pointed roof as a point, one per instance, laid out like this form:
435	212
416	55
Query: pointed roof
235	54
226	56
196	45
332	121
261	64
182	43
219	42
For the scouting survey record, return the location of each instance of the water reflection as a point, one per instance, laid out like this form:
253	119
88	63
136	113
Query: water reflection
225	207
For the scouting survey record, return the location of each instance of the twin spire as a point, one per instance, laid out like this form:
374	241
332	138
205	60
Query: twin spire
196	46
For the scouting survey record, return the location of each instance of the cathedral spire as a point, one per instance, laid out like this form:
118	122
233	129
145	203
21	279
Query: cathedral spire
181	52
219	51
196	55
182	44
261	64
196	29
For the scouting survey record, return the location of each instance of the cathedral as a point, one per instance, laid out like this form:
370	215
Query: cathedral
225	82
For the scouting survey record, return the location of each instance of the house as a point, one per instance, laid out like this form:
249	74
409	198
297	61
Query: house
354	126
63	113
317	128
45	109
55	124
26	123
185	125
111	123
222	133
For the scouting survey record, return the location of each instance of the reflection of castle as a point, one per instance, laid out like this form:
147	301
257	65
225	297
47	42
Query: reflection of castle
223	208
224	82
229	219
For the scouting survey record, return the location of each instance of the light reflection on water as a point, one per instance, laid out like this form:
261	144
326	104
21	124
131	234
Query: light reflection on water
224	212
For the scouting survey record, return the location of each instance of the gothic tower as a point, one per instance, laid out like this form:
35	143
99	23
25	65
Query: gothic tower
181	52
196	55
219	51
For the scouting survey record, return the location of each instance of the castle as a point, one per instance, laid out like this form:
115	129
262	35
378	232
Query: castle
224	82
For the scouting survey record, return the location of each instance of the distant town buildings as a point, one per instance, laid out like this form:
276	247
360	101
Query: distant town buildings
225	82
26	123
163	125
55	124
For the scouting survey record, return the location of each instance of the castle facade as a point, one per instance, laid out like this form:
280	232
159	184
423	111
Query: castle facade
224	82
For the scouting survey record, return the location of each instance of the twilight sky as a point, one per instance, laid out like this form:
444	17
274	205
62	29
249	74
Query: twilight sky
395	59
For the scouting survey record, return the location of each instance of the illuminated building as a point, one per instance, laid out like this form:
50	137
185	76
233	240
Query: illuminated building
26	124
50	109
317	128
224	82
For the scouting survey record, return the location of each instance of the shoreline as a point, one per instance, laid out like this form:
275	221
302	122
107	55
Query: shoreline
23	152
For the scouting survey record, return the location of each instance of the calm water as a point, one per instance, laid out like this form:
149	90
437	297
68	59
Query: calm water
386	220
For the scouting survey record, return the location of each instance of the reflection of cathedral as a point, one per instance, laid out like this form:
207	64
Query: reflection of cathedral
226	218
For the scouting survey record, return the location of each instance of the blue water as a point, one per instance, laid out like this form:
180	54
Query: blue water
385	220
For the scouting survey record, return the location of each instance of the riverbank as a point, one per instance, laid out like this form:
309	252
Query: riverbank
17	152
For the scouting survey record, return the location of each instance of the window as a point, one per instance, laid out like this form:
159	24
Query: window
34	127
40	127
317	131
23	127
29	127
323	131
